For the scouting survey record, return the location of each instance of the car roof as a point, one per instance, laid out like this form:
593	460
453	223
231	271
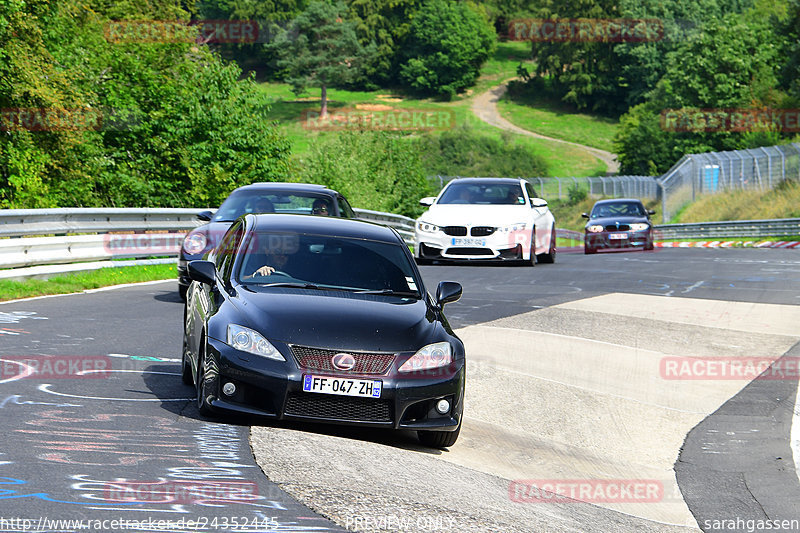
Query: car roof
318	225
286	187
617	200
486	180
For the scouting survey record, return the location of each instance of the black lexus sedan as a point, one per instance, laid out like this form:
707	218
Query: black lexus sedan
618	224
298	198
307	318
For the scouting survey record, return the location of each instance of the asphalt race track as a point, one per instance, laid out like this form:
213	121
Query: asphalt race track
575	379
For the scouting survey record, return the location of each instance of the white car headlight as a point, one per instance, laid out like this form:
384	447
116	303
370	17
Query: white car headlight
431	356
519	226
427	227
595	228
640	227
194	243
247	340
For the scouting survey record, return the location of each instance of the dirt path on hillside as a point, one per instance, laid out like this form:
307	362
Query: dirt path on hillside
485	108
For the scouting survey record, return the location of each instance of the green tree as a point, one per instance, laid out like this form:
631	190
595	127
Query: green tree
320	49
375	170
445	48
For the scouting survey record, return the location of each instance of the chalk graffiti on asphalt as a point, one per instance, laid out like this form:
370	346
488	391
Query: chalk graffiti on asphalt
14	317
16	399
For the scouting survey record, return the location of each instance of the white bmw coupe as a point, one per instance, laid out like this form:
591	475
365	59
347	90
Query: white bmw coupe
486	218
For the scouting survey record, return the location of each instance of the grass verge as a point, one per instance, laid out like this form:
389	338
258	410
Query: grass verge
81	281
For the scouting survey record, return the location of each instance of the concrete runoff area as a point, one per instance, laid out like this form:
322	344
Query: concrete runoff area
570	392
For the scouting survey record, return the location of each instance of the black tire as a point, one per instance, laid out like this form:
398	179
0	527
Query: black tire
589	250
532	260
186	370
649	246
550	256
421	261
182	290
439	439
205	379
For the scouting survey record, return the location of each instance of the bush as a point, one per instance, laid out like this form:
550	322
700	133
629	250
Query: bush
464	152
374	170
445	48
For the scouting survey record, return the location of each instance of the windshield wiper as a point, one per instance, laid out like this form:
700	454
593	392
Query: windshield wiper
293	285
303	285
389	292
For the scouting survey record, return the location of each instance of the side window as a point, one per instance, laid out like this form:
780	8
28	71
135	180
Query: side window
345	209
226	251
531	193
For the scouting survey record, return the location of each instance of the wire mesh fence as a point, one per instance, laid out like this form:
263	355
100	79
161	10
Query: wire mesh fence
643	187
713	172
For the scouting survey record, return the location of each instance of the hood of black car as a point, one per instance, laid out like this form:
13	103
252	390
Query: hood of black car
623	220
338	319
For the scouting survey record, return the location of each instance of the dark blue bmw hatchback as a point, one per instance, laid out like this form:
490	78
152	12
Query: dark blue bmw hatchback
323	319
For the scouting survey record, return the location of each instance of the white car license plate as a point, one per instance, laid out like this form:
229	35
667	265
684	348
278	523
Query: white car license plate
364	388
468	242
617	236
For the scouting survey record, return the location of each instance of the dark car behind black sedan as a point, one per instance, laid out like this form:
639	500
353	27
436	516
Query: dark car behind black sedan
298	198
307	318
617	224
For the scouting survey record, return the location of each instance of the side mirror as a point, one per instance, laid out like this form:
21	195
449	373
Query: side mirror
447	292
651	212
538	202
202	271
585	215
427	201
205	215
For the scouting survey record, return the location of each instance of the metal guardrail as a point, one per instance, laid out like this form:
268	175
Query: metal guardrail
782	227
106	234
43	239
64	221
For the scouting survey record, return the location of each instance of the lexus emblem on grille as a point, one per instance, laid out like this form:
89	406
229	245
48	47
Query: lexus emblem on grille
343	361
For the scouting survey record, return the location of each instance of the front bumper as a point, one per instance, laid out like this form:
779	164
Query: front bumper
632	239
498	246
274	389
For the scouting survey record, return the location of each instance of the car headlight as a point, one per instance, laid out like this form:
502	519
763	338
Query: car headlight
519	226
431	356
594	228
194	243
247	340
427	227
640	227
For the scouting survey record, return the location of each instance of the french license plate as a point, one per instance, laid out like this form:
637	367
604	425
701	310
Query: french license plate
468	242
364	388
617	236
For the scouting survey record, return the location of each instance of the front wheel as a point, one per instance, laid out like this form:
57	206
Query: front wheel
186	370
550	256
206	376
532	259
589	250
439	439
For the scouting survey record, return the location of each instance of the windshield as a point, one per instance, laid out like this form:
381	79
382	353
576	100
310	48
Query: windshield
618	209
324	262
255	201
483	193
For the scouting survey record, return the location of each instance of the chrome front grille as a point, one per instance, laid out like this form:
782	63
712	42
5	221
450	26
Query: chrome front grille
321	360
